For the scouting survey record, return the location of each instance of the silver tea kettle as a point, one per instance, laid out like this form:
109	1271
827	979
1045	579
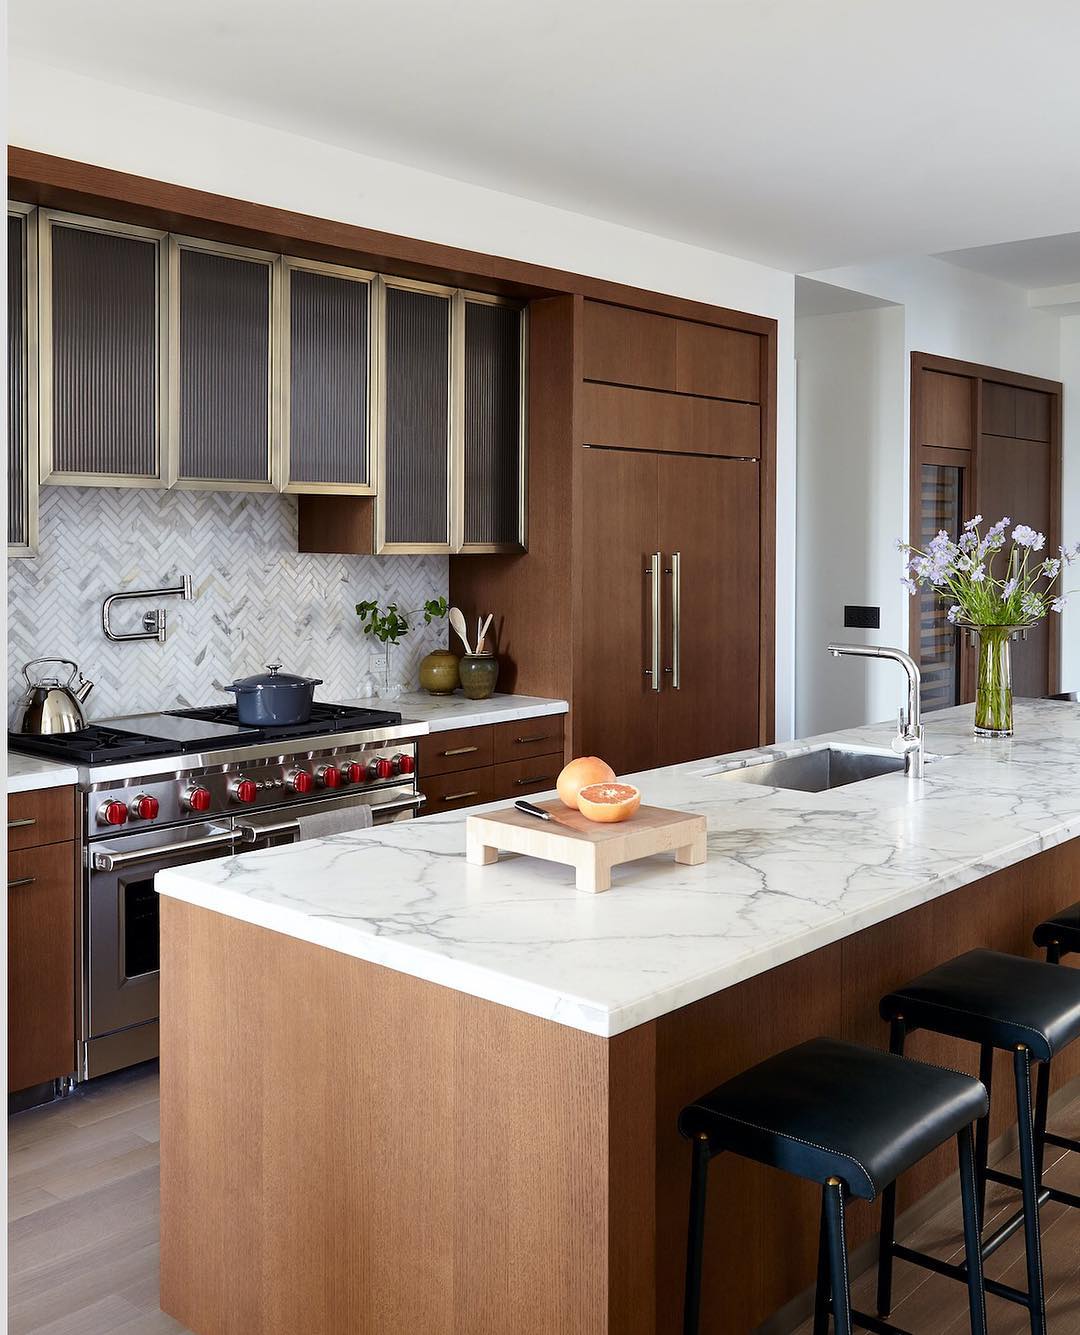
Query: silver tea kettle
50	705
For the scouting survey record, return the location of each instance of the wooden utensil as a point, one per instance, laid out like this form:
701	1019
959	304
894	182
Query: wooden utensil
458	623
483	634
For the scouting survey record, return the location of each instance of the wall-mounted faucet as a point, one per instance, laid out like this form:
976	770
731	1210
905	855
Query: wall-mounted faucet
155	626
909	734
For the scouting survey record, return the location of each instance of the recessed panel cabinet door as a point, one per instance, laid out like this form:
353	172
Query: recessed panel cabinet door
414	466
22	384
222	419
615	703
493	514
101	352
709	527
327	361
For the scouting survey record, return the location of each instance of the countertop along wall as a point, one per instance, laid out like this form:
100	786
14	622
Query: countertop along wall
256	600
55	111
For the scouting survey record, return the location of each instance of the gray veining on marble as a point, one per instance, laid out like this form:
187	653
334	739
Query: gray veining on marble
27	774
787	873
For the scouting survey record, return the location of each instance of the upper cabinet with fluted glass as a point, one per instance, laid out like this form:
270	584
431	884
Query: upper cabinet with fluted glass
327	378
22	380
221	361
102	352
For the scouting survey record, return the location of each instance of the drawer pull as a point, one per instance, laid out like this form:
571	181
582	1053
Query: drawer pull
459	797
540	778
460	751
22	824
525	741
21	880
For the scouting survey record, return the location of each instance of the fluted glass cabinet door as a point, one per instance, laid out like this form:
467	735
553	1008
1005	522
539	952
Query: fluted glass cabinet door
22	384
327	361
493	450
222	419
101	351
414	475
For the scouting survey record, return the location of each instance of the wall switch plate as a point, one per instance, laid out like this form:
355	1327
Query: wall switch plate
863	618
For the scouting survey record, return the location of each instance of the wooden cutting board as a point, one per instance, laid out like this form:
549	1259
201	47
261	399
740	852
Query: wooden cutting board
590	848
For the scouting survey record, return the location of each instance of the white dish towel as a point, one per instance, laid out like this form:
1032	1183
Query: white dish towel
343	821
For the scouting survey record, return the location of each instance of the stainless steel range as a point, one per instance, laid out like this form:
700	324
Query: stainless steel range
163	790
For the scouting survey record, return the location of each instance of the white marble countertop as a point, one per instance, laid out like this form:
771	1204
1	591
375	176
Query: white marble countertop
787	873
26	774
441	712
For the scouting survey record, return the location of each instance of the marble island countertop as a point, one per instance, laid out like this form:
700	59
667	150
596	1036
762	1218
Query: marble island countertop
787	872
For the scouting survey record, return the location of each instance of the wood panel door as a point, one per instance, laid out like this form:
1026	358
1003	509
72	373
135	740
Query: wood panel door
709	537
616	705
1014	480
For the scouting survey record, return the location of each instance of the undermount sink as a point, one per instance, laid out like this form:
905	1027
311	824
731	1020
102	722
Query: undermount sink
818	771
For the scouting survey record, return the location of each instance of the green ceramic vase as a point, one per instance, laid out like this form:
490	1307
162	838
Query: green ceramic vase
479	673
439	672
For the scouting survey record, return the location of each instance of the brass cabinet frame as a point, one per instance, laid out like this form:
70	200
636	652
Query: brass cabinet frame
30	447
461	547
177	244
287	265
47	218
455	418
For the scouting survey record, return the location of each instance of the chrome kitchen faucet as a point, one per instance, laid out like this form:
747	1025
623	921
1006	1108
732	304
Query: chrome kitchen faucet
909	733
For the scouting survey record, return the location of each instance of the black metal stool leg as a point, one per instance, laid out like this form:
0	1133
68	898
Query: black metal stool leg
887	1236
972	1247
1053	952
838	1263
1030	1190
982	1130
821	1293
1042	1104
696	1235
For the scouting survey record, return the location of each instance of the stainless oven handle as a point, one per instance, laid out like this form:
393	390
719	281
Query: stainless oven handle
416	801
111	861
251	834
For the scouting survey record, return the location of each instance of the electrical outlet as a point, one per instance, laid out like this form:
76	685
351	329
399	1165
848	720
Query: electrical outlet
863	618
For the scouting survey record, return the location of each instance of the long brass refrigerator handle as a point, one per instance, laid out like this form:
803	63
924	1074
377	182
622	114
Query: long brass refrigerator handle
675	571
653	573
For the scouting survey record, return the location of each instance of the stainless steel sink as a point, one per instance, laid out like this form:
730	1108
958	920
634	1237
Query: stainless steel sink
818	771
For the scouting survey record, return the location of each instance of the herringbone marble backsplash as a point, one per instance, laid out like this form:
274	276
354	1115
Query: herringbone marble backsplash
257	600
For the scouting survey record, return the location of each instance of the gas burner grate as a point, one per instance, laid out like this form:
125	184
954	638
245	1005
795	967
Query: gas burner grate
324	718
91	746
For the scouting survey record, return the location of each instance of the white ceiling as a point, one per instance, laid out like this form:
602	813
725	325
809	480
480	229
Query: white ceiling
815	298
803	133
1044	261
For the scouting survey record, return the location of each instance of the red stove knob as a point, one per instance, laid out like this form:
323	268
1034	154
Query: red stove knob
144	807
406	764
245	790
300	782
329	776
353	772
112	813
384	768
197	799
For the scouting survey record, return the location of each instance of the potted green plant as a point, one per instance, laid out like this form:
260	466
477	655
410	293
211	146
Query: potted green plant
390	625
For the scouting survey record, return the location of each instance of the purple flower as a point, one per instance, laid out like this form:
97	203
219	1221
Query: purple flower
1009	588
973	523
978	574
1024	536
1032	606
1058	605
1051	567
909	584
954	613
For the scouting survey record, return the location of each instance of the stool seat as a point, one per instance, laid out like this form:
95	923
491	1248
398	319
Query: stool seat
998	1000
831	1109
1063	927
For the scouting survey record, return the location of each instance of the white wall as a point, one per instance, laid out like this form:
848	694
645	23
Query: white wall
950	312
54	111
851	487
1070	492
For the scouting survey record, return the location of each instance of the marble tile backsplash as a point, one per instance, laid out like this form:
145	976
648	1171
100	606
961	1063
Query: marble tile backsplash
257	600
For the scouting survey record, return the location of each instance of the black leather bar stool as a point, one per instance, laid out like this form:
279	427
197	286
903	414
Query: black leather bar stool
1059	935
1017	1005
852	1119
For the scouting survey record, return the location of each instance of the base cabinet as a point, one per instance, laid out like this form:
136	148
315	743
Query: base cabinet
41	937
467	766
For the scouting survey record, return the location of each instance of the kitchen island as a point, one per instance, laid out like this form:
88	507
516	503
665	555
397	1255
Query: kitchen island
400	1092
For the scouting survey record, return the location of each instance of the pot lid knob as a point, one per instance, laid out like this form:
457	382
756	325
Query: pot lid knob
273	668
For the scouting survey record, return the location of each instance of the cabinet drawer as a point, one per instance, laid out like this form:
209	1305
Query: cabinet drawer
720	363
522	738
43	817
463	748
41	964
627	347
638	419
447	792
517	778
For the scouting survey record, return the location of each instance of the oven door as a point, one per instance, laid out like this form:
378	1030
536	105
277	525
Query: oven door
122	918
271	828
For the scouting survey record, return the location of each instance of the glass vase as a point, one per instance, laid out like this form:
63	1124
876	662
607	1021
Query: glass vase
993	688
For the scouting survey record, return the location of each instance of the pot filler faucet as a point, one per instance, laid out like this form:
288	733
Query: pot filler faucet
909	734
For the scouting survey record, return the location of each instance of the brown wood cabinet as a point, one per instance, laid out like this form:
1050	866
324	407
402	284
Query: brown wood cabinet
467	766
42	885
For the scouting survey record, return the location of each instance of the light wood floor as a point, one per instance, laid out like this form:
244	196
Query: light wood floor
83	1197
